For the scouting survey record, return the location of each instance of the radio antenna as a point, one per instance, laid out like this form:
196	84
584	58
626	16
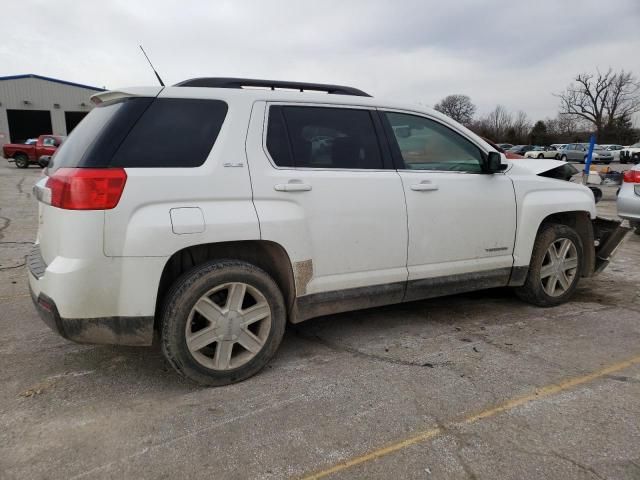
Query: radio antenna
151	64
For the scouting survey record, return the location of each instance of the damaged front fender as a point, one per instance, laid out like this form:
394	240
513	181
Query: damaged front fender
607	235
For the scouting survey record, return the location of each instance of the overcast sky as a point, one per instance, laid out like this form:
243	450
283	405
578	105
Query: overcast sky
512	52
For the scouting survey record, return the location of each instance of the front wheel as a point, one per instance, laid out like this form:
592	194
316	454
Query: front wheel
541	156
21	161
555	268
563	158
222	322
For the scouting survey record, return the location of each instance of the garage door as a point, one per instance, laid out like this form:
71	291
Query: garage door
72	119
24	124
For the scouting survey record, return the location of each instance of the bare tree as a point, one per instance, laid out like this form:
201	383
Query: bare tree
602	98
521	127
568	125
499	122
459	107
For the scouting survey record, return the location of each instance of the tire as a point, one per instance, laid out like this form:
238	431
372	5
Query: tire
21	160
563	158
541	156
557	157
536	287
216	286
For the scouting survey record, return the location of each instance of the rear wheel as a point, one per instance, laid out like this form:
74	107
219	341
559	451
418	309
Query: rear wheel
21	160
222	322
540	155
555	268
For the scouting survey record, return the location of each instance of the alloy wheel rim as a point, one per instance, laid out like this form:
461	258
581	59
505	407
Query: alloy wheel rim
559	267
228	326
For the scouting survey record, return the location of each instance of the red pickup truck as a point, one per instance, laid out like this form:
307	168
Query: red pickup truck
24	154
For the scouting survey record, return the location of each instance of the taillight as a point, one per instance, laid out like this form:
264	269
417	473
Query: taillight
631	176
86	188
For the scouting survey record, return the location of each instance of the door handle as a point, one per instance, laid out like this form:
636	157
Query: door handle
292	186
424	186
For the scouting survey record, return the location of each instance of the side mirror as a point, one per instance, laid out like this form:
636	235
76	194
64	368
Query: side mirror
493	163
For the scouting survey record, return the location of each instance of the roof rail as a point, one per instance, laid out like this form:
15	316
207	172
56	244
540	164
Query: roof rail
221	82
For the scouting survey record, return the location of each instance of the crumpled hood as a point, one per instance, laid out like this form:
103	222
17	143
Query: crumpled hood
534	165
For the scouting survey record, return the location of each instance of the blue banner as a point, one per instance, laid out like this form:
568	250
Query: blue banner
587	163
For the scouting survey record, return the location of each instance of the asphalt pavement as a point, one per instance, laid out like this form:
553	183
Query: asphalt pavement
478	386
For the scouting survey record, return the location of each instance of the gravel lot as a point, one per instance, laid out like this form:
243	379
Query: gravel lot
475	386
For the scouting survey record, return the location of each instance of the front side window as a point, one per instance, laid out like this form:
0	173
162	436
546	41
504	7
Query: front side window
428	145
322	137
49	142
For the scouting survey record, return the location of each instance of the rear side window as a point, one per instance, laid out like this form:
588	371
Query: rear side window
94	141
173	132
323	137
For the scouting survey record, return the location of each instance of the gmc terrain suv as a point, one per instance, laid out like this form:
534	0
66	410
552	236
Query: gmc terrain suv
213	212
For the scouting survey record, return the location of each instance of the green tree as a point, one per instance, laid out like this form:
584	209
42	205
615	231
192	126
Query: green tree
539	134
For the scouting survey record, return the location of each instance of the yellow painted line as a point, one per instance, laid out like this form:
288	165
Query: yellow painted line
541	392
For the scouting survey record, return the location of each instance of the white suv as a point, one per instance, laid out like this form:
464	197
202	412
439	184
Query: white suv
213	214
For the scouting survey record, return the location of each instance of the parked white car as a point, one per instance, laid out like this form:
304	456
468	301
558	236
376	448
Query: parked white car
214	214
630	154
629	197
543	152
614	149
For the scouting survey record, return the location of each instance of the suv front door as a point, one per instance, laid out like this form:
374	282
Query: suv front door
325	190
462	222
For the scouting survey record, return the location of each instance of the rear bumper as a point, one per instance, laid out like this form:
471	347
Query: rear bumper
628	202
100	300
136	331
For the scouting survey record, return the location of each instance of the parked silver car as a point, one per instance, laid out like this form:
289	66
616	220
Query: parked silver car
629	197
577	152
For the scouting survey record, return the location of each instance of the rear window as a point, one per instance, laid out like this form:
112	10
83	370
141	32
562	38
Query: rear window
144	132
173	132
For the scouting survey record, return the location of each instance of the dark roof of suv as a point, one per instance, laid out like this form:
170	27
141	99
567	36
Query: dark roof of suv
229	82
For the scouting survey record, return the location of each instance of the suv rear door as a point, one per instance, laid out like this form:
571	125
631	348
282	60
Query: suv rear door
462	222
326	191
